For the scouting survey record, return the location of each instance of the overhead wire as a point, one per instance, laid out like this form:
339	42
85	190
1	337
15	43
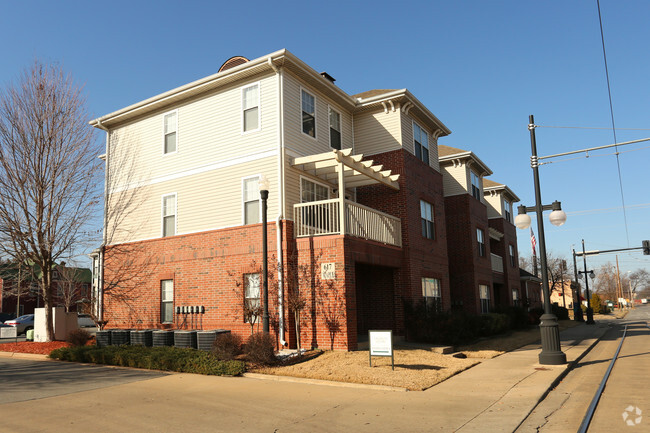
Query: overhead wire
611	111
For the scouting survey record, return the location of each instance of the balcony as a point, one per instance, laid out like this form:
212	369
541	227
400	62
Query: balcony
497	263
323	218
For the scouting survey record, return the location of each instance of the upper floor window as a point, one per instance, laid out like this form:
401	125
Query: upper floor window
335	129
507	209
167	301
484	294
426	216
251	200
250	107
421	143
169	215
312	191
431	294
513	257
308	114
480	240
476	185
170	126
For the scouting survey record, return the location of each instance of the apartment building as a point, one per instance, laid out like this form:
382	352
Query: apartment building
357	221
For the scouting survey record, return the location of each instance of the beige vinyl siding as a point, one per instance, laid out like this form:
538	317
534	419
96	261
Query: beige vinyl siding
377	132
407	137
205	201
454	180
294	139
494	204
209	130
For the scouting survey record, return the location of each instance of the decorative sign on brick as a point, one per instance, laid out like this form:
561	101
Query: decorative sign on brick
327	271
381	344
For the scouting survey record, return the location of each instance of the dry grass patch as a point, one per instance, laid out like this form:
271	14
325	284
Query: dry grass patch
415	370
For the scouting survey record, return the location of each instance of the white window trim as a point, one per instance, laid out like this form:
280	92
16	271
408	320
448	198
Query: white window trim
172	300
329	125
309	179
315	138
162	214
163	133
413	123
243	198
259	107
480	185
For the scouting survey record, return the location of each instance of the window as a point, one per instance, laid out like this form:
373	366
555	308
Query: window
515	297
507	209
312	191
251	198
251	297
169	215
431	294
308	114
421	143
167	301
250	108
170	126
513	258
476	185
426	214
484	294
335	130
480	239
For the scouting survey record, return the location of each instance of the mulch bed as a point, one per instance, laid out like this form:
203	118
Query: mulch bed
32	347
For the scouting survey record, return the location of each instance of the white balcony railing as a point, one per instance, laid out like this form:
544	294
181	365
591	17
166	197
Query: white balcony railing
322	218
497	263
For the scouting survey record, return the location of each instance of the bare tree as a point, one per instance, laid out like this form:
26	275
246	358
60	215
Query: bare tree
16	277
68	285
48	171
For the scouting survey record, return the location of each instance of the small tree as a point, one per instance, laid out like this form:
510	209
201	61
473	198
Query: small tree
596	305
245	286
48	171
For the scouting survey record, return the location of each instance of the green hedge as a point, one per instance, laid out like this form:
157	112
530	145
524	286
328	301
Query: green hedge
153	358
457	327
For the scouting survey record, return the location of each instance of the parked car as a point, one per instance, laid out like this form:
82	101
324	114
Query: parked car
23	323
7	316
644	300
85	321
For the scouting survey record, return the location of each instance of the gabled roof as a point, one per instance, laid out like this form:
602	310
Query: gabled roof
525	275
448	154
492	186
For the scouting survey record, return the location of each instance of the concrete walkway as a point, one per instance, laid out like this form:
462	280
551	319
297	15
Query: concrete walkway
494	396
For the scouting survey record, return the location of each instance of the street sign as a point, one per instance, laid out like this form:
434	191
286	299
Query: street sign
381	344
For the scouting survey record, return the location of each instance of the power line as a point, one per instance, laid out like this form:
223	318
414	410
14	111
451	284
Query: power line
592	127
611	111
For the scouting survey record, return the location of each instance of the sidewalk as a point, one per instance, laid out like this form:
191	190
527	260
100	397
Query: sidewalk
498	394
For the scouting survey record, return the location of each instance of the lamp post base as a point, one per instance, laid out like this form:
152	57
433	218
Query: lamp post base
590	316
551	349
577	314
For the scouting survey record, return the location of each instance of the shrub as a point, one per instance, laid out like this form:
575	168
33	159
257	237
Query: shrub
494	323
596	305
78	337
519	318
153	358
227	346
260	349
560	312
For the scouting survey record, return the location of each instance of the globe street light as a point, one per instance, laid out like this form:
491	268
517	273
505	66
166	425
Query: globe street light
551	353
264	195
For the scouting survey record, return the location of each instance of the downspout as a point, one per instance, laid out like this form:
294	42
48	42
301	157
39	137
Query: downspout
281	204
100	282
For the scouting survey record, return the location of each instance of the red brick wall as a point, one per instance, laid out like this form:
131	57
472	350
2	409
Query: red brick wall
510	272
464	214
421	257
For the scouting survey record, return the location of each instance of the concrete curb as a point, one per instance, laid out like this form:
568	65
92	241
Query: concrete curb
30	356
322	382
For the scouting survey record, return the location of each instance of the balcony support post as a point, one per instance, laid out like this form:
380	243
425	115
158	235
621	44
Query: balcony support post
342	211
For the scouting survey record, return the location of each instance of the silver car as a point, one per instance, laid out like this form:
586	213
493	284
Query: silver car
23	323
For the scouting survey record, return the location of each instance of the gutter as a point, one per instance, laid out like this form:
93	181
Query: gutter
281	203
100	281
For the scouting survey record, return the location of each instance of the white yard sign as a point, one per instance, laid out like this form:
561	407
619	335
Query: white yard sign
381	344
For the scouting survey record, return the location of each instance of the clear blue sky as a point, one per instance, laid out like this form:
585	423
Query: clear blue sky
481	66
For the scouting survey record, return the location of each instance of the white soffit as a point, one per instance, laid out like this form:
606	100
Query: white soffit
356	172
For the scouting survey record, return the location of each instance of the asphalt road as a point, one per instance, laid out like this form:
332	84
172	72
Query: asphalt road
628	386
24	380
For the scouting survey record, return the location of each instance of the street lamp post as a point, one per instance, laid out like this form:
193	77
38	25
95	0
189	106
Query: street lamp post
264	195
590	311
551	353
577	306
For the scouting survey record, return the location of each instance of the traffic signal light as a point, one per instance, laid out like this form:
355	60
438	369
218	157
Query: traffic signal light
646	248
